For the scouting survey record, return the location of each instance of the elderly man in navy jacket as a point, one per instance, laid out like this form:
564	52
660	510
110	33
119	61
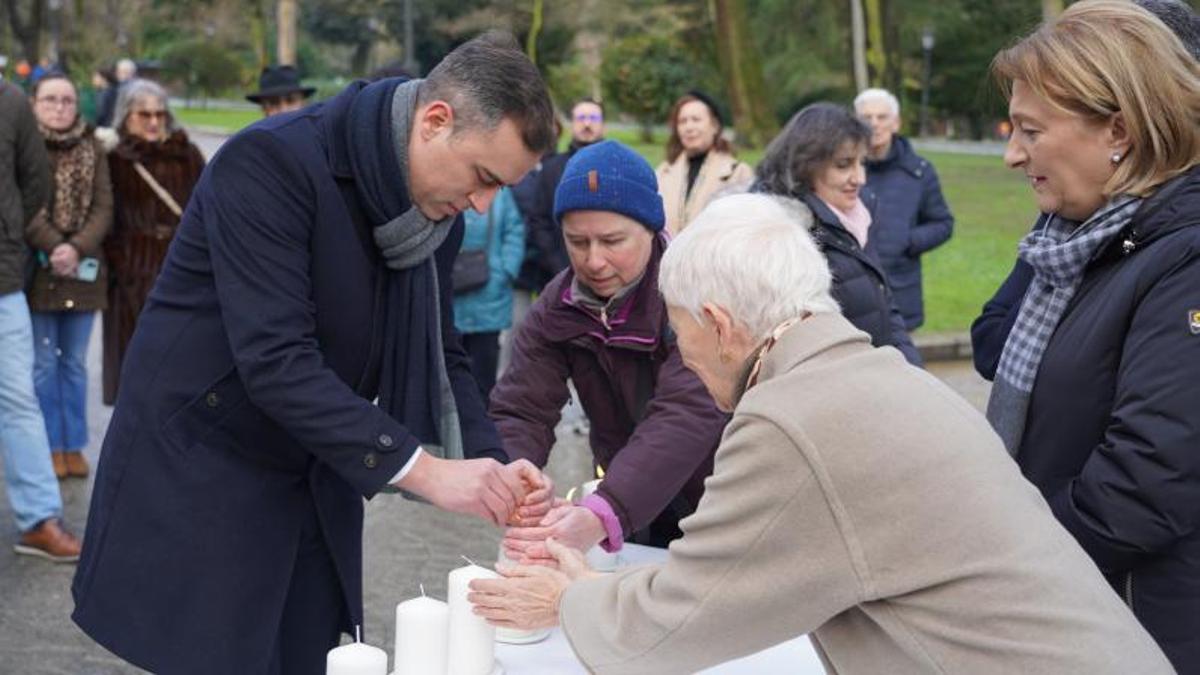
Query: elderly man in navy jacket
309	278
912	217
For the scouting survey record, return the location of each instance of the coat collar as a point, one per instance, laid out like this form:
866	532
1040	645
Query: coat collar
824	216
719	164
637	322
900	155
1174	206
811	343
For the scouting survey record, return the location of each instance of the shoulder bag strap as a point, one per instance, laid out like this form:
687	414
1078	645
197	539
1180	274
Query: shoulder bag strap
158	189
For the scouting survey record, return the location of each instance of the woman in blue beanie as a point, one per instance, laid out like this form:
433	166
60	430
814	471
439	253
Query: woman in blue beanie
602	324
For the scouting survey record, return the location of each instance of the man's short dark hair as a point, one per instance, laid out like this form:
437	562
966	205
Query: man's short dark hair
805	146
489	79
590	101
1180	18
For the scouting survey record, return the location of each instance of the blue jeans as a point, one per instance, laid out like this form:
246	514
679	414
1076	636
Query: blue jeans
32	487
60	341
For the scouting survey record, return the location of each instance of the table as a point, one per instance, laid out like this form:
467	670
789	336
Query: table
553	656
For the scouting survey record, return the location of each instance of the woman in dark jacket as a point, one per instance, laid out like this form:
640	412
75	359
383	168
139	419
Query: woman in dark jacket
818	159
602	324
68	286
149	202
1097	387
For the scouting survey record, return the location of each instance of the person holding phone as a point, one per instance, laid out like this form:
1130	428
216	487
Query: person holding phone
70	280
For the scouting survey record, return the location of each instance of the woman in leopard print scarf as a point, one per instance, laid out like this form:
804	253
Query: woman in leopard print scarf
69	282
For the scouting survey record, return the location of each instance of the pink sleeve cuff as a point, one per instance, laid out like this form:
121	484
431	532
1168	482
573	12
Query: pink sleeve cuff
608	518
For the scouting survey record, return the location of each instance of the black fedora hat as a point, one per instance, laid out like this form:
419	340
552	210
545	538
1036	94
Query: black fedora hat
277	81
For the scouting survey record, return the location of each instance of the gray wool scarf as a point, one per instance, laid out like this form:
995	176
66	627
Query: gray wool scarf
411	239
1059	253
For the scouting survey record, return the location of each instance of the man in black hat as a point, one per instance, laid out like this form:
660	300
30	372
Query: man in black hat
279	91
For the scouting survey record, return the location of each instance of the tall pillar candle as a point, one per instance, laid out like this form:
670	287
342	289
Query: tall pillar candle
471	644
421	627
356	658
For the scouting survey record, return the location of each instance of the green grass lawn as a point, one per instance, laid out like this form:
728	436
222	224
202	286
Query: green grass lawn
993	207
227	120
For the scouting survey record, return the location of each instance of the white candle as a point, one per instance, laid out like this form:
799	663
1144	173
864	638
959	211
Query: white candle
471	644
356	658
421	626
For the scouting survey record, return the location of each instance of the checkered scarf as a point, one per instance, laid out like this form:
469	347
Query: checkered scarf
1059	253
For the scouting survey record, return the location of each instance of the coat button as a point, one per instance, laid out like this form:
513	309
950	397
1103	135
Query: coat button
370	460
385	441
212	400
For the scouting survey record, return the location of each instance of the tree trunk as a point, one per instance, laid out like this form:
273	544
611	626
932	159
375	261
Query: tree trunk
742	69
28	33
258	35
893	73
876	54
286	39
358	61
535	29
858	40
1051	9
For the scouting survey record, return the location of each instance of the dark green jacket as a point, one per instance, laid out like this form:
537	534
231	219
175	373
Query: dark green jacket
24	182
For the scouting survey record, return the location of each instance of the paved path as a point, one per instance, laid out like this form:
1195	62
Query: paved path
406	544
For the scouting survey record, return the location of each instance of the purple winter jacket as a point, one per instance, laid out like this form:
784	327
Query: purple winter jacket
654	427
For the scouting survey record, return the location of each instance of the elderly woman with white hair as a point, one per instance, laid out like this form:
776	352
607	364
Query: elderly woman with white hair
153	167
906	544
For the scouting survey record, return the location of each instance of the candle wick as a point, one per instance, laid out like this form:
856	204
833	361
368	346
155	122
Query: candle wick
357	633
469	561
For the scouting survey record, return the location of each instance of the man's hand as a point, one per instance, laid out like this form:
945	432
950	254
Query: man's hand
64	260
536	505
573	526
479	487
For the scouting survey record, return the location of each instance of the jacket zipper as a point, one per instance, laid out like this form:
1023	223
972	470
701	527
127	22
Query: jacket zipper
1129	589
604	318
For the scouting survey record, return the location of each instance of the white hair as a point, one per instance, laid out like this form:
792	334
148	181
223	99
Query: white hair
752	255
877	95
136	90
125	69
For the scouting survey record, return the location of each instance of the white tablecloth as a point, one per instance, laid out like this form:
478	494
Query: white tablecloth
553	656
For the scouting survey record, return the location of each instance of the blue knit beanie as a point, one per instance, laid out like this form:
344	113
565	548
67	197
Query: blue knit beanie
608	176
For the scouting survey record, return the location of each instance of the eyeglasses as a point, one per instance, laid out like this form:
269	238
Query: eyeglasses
147	115
56	102
589	117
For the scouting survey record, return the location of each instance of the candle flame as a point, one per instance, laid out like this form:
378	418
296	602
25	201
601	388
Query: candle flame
357	633
422	590
599	471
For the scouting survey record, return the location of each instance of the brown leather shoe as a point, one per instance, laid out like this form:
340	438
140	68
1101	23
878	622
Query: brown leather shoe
49	540
60	464
77	466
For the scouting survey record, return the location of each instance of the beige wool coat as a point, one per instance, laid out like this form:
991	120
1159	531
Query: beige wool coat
858	499
719	172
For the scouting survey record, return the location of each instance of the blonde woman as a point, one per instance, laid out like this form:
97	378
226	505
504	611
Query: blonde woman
1097	393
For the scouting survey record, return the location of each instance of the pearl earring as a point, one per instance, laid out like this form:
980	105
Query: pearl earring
1116	158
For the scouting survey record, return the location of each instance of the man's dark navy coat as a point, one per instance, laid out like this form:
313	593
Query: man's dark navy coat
246	407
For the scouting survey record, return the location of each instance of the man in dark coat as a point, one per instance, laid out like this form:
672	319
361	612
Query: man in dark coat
309	276
545	255
913	217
